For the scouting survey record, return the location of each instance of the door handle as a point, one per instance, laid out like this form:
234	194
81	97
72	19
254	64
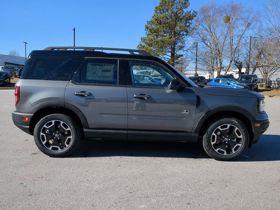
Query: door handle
83	93
142	96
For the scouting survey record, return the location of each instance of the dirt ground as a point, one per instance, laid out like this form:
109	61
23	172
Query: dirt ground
272	93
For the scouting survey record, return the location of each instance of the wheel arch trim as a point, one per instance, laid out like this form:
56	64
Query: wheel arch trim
54	108
232	111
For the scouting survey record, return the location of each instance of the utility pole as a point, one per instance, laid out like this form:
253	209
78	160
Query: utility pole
25	43
249	56
196	51
74	38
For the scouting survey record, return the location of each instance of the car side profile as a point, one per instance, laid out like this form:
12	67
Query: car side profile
199	80
225	83
69	94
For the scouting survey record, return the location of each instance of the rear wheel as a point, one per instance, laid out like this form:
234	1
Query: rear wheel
57	135
226	139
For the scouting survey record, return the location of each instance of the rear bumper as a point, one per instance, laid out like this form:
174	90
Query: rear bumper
18	119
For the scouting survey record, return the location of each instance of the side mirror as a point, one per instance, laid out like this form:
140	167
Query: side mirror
175	85
228	83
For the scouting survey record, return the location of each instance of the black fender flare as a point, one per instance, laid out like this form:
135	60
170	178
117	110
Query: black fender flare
230	110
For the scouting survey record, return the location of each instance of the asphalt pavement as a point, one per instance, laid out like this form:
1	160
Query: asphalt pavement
136	175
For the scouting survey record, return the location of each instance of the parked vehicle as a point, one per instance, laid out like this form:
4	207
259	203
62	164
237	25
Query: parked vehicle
251	80
227	76
225	83
278	82
146	79
199	80
4	78
264	84
66	95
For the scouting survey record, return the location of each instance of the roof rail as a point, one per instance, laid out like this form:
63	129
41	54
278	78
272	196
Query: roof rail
130	51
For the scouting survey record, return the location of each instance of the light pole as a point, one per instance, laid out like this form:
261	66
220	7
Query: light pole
250	53
74	38
196	51
25	43
249	56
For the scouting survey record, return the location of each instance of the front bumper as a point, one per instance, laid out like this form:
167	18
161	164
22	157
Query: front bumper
20	120
259	128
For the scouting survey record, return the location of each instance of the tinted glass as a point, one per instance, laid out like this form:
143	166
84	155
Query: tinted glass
98	71
223	81
51	67
149	74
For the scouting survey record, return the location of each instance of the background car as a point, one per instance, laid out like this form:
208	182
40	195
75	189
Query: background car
199	80
227	76
225	83
265	84
4	78
146	79
251	80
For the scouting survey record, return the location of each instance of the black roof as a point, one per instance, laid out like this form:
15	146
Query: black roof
79	53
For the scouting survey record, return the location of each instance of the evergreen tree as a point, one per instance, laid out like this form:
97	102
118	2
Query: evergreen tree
166	32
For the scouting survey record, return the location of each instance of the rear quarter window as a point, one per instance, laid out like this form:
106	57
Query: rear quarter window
51	68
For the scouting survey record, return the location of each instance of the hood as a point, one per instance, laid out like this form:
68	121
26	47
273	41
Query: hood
229	92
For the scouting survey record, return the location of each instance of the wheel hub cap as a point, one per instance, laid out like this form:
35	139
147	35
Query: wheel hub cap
227	139
56	135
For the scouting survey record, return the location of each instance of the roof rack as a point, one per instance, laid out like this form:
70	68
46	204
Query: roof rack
130	51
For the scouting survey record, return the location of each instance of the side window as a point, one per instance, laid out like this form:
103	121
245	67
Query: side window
51	67
99	71
223	81
217	80
149	74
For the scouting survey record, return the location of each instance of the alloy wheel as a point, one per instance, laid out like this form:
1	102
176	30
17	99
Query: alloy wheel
56	135
227	139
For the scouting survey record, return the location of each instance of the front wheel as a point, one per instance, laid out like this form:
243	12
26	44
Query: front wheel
57	135
226	139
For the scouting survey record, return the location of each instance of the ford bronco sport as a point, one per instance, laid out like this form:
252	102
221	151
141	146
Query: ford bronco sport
68	94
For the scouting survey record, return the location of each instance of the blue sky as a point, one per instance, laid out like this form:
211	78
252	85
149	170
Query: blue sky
106	23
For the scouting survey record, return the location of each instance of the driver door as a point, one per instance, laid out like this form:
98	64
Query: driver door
151	105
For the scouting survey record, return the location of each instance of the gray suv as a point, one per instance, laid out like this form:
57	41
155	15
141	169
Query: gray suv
68	94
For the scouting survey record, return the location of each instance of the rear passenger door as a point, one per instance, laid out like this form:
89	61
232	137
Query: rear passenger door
96	92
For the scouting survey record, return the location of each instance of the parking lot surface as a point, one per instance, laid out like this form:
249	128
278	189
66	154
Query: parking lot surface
133	175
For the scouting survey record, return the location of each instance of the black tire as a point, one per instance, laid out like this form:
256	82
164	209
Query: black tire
221	140
57	135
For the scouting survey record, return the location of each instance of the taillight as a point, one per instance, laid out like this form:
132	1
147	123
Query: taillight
17	94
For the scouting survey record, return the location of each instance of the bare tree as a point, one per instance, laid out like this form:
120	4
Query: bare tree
273	16
14	53
221	29
182	64
267	58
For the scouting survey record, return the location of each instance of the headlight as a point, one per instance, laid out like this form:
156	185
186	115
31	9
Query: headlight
261	105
